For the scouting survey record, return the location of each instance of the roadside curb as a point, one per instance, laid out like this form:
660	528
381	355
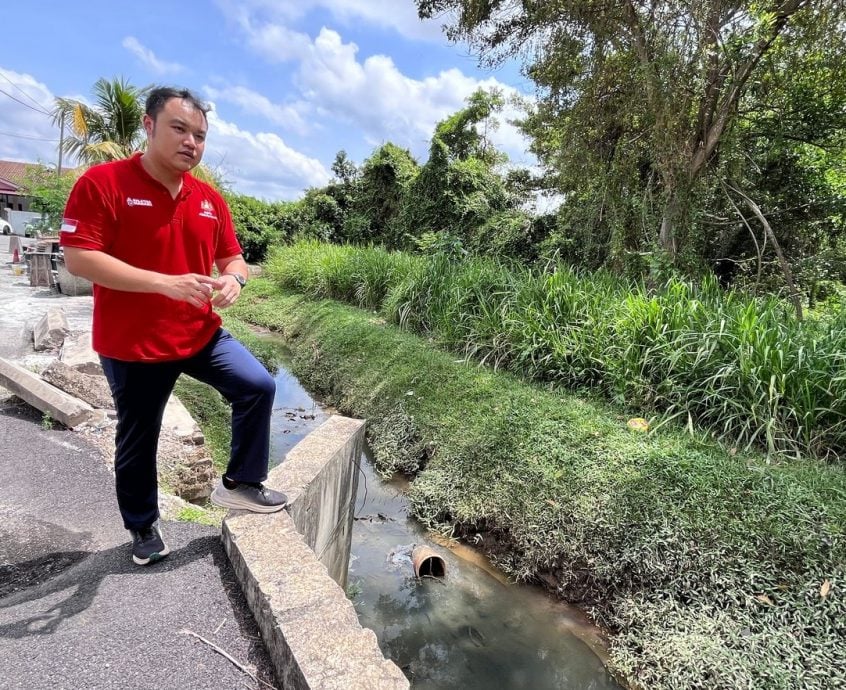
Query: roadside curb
309	626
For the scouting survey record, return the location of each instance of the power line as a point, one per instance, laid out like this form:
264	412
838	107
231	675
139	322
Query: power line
24	136
18	100
26	95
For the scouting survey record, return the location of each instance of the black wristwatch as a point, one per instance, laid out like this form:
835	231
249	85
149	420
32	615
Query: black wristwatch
242	281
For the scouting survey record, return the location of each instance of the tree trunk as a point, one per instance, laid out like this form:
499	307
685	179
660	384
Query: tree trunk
667	233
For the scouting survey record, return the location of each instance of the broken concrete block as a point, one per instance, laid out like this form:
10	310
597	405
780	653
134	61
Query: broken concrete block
195	477
50	331
78	353
70	284
29	387
92	389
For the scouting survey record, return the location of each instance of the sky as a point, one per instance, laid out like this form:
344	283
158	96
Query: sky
291	82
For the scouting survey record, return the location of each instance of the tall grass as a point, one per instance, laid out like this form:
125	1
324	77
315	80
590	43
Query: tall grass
743	368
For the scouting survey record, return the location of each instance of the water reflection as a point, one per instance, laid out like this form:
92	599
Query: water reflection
467	631
295	414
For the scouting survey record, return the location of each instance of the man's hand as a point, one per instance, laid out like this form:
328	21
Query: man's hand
228	290
194	288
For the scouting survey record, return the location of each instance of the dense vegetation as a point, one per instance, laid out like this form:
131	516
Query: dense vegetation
666	123
713	569
706	139
745	368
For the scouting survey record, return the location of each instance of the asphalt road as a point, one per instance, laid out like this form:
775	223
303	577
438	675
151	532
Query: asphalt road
75	612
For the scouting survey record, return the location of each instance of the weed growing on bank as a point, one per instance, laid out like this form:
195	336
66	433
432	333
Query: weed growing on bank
742	368
710	569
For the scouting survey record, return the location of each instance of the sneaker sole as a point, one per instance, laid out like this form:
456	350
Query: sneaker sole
153	557
244	505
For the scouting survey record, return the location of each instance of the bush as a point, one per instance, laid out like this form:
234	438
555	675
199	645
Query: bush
258	224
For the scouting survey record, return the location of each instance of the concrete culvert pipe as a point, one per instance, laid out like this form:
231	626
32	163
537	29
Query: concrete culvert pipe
428	562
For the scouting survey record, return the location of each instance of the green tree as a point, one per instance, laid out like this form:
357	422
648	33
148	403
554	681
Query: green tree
49	192
382	186
640	93
258	224
345	170
788	154
459	193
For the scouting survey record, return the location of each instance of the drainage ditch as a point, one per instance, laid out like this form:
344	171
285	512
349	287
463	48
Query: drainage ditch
441	611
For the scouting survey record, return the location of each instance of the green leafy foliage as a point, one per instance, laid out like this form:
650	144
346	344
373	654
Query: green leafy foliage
110	128
259	224
644	111
49	192
382	187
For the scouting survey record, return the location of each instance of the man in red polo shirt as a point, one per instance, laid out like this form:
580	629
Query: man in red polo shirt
147	234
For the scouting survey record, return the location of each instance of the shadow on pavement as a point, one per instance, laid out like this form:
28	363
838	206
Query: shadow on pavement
79	585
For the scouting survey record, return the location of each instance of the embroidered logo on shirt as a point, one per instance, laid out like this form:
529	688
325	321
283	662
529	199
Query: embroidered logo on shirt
207	209
131	201
68	225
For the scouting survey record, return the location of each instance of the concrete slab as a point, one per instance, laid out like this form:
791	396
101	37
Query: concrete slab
93	390
320	477
309	626
77	353
62	407
179	422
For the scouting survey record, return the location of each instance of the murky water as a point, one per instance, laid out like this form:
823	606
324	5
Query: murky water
471	629
295	414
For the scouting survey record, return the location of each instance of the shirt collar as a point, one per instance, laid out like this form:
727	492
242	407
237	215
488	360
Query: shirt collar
187	179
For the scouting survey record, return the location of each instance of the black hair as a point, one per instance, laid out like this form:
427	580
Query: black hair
159	96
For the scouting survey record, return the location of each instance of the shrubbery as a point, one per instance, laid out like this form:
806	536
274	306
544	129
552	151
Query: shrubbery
742	367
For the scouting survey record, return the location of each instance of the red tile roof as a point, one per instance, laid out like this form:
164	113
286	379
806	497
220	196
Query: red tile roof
13	173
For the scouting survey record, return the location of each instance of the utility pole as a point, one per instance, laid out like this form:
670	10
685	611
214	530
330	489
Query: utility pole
61	143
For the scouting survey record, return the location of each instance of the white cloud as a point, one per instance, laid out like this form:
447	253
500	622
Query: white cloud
148	57
398	15
261	164
25	134
386	104
373	94
289	116
270	38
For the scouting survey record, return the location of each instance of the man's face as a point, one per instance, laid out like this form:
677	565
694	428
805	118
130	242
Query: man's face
177	137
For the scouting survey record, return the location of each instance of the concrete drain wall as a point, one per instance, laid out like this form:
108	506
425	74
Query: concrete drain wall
292	567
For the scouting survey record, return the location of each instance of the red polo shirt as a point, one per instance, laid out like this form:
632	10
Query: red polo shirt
119	209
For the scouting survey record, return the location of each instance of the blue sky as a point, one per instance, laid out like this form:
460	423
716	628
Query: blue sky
291	81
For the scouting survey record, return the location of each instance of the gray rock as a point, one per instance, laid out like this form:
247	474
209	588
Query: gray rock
78	353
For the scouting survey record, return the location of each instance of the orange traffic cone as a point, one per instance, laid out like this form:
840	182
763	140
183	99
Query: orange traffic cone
16	257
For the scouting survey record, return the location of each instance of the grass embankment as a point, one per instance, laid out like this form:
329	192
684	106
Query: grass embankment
710	569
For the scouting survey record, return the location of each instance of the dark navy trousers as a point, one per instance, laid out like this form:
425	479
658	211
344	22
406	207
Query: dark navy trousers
141	391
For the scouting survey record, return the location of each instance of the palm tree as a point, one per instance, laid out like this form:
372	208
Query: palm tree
111	129
108	130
